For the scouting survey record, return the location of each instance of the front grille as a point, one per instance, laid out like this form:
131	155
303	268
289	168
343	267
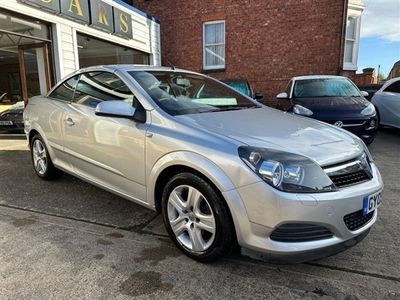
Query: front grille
356	220
351	172
348	123
297	232
349	179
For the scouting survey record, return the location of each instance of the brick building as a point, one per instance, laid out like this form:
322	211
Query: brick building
264	41
395	71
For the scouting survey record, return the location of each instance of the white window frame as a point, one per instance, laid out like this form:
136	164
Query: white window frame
216	67
354	11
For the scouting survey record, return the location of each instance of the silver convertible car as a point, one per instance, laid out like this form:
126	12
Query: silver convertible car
222	169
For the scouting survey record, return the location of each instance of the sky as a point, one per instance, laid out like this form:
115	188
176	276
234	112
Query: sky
380	35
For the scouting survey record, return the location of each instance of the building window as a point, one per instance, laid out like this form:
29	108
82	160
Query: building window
351	44
214	45
93	51
24	59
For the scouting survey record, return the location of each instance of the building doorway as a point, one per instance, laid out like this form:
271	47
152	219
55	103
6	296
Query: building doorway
25	67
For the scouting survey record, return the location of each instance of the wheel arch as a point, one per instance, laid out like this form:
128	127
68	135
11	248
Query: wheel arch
178	162
31	134
378	113
34	131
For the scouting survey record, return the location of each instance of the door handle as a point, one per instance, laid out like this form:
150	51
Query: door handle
69	122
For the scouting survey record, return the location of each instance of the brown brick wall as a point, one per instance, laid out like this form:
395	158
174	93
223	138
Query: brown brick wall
367	76
267	41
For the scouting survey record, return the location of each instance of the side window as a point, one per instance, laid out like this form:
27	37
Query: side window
394	87
65	91
95	87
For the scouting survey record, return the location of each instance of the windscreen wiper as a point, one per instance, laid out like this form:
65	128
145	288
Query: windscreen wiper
228	108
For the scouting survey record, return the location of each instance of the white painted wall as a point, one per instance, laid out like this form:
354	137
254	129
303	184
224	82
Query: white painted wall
41	71
146	35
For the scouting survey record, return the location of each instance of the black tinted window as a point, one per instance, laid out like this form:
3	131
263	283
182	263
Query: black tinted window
95	87
65	91
394	87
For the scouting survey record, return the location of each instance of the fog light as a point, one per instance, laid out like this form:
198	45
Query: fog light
372	123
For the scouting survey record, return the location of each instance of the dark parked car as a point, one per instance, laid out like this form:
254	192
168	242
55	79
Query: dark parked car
332	99
244	87
11	120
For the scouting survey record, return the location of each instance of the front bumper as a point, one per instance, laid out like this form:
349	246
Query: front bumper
365	129
267	208
295	258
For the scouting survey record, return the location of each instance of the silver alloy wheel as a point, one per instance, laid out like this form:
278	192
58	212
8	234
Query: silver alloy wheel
39	157
191	218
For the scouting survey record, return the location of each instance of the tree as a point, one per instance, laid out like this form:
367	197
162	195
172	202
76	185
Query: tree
381	77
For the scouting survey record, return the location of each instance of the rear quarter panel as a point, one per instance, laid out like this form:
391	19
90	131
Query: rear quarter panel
46	116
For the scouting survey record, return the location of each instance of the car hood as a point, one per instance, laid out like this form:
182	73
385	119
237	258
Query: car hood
332	108
270	128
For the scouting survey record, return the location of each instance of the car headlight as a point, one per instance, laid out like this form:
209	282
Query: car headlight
369	110
286	171
301	110
366	152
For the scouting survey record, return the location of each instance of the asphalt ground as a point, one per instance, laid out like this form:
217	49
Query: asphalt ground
68	239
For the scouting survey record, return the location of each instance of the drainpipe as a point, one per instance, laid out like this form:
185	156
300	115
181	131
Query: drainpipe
343	36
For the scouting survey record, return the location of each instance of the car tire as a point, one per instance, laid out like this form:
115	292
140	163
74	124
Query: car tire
197	218
41	160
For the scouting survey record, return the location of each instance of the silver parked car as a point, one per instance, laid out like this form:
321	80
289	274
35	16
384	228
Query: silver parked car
222	169
387	103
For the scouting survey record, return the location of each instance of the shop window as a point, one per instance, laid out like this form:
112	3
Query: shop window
94	52
95	87
214	45
65	91
24	63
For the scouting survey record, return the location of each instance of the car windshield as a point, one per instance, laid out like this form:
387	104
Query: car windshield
327	87
240	86
180	93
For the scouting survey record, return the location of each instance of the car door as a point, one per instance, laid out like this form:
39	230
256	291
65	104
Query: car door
388	103
50	116
107	151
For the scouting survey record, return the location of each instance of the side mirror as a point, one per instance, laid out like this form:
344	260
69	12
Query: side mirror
116	109
258	96
282	96
364	93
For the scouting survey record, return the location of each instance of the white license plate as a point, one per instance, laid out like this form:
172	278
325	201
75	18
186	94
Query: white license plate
5	123
371	202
